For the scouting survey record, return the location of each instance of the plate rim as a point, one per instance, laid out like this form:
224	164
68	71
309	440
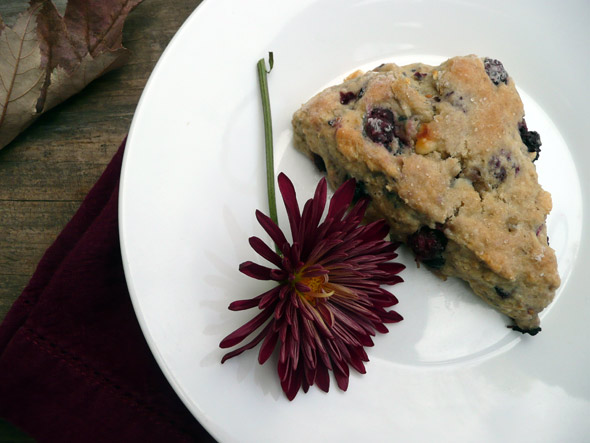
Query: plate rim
168	373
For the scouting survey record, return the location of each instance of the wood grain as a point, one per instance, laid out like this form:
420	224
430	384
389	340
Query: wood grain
46	172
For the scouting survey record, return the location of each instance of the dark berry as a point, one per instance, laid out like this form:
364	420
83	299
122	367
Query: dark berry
501	163
531	139
428	246
347	97
533	331
502	293
497	168
318	161
435	263
500	174
419	75
495	71
379	125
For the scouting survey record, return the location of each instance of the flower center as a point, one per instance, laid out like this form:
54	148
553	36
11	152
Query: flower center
317	288
316	284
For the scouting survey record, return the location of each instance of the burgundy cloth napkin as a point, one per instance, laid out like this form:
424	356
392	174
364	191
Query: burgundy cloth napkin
74	365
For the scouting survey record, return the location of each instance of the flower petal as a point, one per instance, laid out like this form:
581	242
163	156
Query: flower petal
278	275
290	379
304	385
290	200
314	271
341	199
345	321
295	257
267	347
283	369
383	298
273	231
312	215
375	231
391	317
391	268
255	270
269	297
291	385
322	249
264	251
280	307
318	320
341	375
308	350
357	213
313	337
357	356
243	331
293	348
247	346
301	287
326	314
309	373
240	305
381	328
322	378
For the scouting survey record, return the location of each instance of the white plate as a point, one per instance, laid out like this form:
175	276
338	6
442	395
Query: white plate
194	174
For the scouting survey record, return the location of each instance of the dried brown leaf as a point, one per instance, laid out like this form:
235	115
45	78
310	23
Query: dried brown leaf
46	58
21	75
64	85
97	24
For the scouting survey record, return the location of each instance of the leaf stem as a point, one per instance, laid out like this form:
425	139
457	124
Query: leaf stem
270	175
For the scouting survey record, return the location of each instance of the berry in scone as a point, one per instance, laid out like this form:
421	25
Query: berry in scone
446	157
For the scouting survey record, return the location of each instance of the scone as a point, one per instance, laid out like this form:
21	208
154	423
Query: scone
446	157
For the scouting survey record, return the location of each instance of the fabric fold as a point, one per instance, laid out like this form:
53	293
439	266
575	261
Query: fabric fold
74	365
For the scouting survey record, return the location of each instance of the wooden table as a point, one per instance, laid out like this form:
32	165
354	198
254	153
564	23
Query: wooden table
46	172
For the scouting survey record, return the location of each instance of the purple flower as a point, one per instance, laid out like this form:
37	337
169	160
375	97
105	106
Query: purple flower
328	300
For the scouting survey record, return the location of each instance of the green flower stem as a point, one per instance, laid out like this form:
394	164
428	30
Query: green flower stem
270	174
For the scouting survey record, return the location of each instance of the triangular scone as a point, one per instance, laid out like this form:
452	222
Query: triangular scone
446	157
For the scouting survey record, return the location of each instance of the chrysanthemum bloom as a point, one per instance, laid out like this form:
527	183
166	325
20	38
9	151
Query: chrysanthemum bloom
328	300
